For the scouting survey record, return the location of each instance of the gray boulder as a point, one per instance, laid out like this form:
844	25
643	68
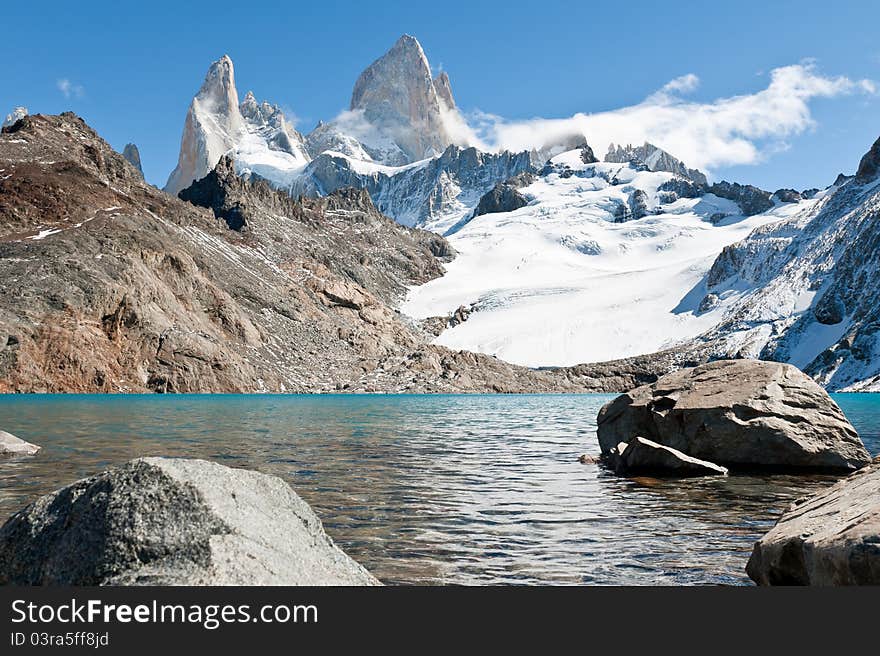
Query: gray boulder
163	521
10	445
641	456
832	538
740	414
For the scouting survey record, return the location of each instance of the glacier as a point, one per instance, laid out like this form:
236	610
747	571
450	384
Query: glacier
564	281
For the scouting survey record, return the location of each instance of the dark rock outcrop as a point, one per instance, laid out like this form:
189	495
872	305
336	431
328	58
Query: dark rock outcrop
682	188
587	155
10	445
164	521
638	204
787	196
869	164
832	538
739	414
750	199
504	197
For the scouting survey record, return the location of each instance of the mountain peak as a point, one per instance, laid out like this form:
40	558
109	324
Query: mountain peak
133	155
408	42
219	85
397	95
15	115
214	125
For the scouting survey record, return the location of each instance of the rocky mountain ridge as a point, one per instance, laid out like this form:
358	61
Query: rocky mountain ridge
110	285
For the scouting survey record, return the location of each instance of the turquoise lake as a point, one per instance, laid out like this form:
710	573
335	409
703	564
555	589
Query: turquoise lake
435	489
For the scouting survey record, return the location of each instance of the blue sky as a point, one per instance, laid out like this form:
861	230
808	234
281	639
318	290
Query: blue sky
131	70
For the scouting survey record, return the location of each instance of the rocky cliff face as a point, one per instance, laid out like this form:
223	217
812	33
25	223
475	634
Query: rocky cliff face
804	290
750	199
109	284
444	90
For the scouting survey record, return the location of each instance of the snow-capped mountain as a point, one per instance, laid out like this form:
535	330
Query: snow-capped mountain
805	290
564	259
398	97
435	193
394	141
14	116
596	266
256	135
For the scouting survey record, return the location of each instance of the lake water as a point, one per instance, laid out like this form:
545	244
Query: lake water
434	489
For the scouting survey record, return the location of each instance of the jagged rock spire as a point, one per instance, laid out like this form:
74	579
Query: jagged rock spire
133	155
213	126
444	90
398	95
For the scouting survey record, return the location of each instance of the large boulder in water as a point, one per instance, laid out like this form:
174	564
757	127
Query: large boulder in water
163	521
740	414
832	538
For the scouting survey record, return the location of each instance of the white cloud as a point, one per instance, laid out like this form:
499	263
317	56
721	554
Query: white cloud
735	130
69	89
683	84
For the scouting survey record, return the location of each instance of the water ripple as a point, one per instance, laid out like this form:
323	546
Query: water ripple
434	489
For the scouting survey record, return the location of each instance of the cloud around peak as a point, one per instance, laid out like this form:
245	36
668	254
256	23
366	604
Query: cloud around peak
740	129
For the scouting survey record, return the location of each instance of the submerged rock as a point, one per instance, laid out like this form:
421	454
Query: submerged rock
164	521
832	538
641	456
738	413
10	445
